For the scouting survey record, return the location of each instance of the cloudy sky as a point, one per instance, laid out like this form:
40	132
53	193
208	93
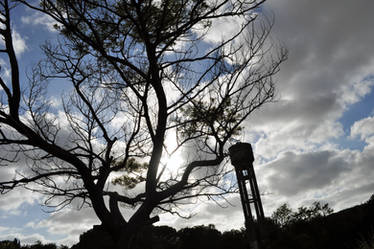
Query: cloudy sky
315	143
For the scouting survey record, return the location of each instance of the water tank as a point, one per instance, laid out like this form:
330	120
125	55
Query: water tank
241	155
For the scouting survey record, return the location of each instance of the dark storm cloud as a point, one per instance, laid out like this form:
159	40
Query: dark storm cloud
313	109
327	40
329	45
295	173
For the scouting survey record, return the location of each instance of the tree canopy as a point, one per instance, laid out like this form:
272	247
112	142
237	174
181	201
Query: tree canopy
284	215
145	80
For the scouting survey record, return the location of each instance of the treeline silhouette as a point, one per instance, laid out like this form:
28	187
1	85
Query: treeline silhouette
352	228
15	244
306	228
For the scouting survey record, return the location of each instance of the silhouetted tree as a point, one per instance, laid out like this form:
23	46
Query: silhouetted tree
284	215
15	244
314	211
8	244
140	72
371	200
40	245
317	227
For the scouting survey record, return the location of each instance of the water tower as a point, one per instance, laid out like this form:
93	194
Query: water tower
242	158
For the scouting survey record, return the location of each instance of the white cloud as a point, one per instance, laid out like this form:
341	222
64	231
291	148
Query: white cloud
223	29
13	200
19	43
352	93
71	222
225	217
5	71
39	19
363	128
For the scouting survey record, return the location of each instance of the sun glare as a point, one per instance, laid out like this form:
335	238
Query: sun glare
175	161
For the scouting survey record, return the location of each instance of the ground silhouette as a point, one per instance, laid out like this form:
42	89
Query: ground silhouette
352	228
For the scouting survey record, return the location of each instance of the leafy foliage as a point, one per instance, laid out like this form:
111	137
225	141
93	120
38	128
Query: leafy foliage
211	117
133	173
284	215
347	229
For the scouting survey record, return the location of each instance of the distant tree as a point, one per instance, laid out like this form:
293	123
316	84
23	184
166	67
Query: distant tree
15	244
39	245
8	244
371	199
314	211
284	215
140	72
